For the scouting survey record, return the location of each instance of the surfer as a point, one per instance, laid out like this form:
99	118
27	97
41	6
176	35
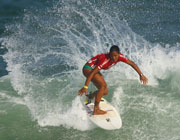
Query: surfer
91	71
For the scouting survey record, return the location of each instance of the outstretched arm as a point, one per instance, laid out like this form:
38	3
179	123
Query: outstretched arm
143	78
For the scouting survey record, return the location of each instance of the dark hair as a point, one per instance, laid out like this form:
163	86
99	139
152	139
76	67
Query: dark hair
115	48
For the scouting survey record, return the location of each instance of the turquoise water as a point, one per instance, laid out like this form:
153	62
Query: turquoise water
44	45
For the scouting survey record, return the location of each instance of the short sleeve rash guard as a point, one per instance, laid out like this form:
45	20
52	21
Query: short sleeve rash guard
103	61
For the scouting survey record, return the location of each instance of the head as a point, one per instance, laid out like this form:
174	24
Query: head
114	53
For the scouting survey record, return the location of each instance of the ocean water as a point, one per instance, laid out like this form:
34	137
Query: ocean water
44	45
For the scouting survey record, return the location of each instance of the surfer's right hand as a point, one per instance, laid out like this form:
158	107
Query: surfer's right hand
82	91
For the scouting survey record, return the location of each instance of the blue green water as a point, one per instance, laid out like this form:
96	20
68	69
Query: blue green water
44	45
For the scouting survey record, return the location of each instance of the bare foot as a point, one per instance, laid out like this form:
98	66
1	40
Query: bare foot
99	112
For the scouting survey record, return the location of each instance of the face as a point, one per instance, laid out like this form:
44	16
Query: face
114	55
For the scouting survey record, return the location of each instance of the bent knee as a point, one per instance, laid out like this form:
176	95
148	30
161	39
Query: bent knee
103	86
106	91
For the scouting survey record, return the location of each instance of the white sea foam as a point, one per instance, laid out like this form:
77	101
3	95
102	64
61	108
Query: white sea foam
74	117
45	65
8	98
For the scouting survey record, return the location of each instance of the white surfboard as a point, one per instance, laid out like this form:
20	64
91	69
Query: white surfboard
109	121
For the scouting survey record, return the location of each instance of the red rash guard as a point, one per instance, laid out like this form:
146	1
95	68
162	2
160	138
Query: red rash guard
103	61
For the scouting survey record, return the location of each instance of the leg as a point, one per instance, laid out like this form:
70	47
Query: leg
92	95
100	83
96	82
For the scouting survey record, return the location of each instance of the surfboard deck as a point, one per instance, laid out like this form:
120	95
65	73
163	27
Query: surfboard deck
109	121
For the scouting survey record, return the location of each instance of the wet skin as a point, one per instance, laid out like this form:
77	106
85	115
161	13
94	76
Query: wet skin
96	77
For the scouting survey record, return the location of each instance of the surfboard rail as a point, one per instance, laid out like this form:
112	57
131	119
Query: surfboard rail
109	121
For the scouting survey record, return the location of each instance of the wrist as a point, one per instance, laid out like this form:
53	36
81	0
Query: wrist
141	75
86	87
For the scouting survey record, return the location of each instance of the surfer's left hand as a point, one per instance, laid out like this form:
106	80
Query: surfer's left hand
82	91
143	79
